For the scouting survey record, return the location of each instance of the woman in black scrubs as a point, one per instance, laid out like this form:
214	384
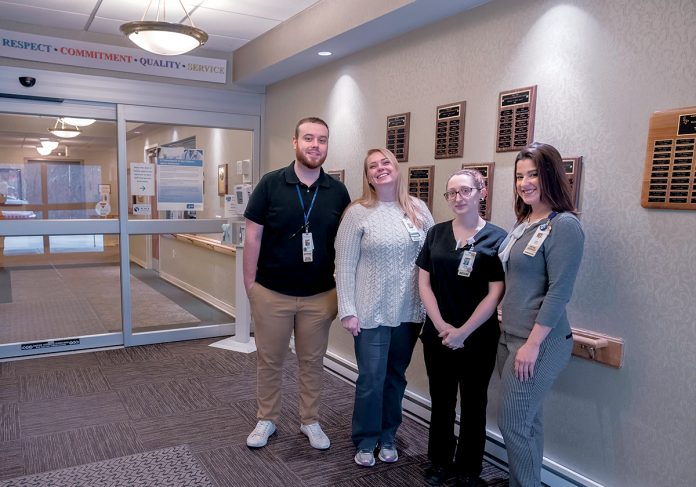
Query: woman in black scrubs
461	281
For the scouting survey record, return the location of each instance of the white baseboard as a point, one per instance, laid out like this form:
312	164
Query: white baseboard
208	298
138	261
418	408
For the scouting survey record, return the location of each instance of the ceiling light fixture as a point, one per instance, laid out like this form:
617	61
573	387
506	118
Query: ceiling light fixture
324	53
46	146
64	132
78	122
162	37
49	144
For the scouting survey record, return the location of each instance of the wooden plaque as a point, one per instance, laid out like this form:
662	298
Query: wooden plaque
449	130
516	110
669	178
337	174
420	183
486	170
573	169
398	129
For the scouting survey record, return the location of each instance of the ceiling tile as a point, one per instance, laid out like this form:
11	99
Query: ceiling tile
223	43
269	9
230	24
128	10
84	7
106	26
42	16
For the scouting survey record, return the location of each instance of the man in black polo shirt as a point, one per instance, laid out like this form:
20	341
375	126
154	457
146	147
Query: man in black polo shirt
291	223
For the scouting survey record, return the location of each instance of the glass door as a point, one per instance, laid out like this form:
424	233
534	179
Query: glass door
60	284
92	257
180	166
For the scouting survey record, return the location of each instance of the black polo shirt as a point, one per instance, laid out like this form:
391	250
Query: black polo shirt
275	204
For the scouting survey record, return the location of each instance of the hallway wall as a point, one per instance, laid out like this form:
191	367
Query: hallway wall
601	68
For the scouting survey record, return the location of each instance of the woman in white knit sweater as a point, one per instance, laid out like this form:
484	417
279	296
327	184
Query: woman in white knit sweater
378	241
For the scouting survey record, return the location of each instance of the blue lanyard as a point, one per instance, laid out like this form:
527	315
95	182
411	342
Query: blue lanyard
311	205
547	223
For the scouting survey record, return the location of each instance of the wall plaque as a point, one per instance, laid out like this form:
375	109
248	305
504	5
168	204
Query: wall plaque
337	174
420	183
398	128
486	170
573	169
449	130
516	110
669	177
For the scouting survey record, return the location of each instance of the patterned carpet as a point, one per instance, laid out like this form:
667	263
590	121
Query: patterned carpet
177	415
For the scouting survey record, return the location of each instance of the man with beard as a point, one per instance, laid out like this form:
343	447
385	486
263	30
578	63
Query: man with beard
291	223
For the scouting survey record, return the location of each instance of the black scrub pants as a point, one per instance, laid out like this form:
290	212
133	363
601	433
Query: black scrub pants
467	371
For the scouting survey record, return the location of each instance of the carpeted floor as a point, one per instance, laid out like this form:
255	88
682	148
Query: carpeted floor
177	415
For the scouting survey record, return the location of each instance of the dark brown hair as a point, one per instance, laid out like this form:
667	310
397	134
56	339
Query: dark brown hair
554	187
309	120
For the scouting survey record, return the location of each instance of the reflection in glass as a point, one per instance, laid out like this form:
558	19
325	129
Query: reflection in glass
193	285
72	291
63	185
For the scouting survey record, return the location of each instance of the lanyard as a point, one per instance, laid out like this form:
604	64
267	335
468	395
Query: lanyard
471	240
311	205
547	223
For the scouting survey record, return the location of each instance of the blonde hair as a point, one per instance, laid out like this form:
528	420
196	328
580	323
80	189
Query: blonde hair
406	202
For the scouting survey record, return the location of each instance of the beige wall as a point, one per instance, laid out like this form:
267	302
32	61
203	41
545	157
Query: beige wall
601	68
208	274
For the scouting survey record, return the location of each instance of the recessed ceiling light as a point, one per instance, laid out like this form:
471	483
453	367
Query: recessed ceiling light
325	53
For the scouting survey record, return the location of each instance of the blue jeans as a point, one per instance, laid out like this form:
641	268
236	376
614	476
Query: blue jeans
383	355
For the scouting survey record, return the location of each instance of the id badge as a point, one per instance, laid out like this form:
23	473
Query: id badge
413	232
307	242
307	247
536	241
466	265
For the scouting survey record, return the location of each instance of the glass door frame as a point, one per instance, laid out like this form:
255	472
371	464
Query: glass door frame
45	227
171	116
123	227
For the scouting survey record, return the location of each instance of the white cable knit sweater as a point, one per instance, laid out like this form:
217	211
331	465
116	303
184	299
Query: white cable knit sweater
376	274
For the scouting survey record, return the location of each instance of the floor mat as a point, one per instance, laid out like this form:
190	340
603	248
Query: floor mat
172	467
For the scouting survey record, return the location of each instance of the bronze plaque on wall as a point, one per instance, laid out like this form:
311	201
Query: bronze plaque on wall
420	183
337	174
398	128
669	177
573	169
486	170
516	110
449	130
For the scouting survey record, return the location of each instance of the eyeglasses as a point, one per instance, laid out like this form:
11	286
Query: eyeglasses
464	192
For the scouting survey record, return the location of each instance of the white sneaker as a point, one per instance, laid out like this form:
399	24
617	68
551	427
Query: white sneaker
259	437
388	453
365	458
316	436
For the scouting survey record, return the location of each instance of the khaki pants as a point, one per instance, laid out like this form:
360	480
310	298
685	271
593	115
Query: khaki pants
276	317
